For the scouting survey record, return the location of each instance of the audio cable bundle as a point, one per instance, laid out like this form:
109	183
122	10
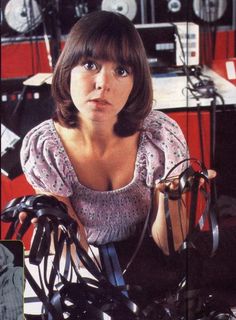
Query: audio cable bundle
97	298
85	298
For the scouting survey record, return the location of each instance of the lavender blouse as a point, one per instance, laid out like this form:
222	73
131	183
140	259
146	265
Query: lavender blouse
106	215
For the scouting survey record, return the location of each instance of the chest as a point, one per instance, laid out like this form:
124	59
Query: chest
112	170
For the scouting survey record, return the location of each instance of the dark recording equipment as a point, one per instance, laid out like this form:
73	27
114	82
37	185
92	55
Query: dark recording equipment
20	105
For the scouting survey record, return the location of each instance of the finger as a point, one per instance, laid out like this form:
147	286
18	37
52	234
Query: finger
174	184
34	221
22	216
201	182
167	187
211	174
161	186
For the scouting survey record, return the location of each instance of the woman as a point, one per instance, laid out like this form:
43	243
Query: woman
105	149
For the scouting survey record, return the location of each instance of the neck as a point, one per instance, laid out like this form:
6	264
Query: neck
98	135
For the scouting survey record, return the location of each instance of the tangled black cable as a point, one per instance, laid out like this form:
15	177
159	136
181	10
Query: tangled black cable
84	299
89	299
189	181
95	298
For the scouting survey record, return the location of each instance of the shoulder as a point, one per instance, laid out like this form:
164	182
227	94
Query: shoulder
44	161
158	120
41	133
164	131
39	142
164	144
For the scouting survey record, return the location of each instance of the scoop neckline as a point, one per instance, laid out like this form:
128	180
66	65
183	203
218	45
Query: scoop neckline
76	178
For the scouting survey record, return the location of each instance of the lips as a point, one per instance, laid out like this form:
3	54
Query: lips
100	101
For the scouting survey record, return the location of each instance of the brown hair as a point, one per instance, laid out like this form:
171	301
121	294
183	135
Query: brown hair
107	36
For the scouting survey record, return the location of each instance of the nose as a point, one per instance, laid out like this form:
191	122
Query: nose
103	80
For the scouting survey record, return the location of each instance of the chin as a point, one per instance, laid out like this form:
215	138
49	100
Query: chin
100	116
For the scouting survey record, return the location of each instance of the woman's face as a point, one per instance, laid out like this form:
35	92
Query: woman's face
100	89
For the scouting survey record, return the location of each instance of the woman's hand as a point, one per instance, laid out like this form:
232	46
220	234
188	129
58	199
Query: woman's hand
211	174
71	213
23	215
172	184
178	213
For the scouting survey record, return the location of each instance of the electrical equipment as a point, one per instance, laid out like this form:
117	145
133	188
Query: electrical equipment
187	43
159	43
22	109
125	7
211	10
170	44
219	12
174	5
22	15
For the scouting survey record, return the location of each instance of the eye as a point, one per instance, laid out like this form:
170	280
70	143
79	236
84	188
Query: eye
122	71
90	65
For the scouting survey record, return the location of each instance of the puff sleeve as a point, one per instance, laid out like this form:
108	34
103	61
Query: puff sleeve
44	161
165	147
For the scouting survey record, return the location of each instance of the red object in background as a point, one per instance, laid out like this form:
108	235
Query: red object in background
188	122
24	59
224	47
225	44
225	52
220	66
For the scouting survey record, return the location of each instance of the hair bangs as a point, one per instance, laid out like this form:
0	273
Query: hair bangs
108	47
